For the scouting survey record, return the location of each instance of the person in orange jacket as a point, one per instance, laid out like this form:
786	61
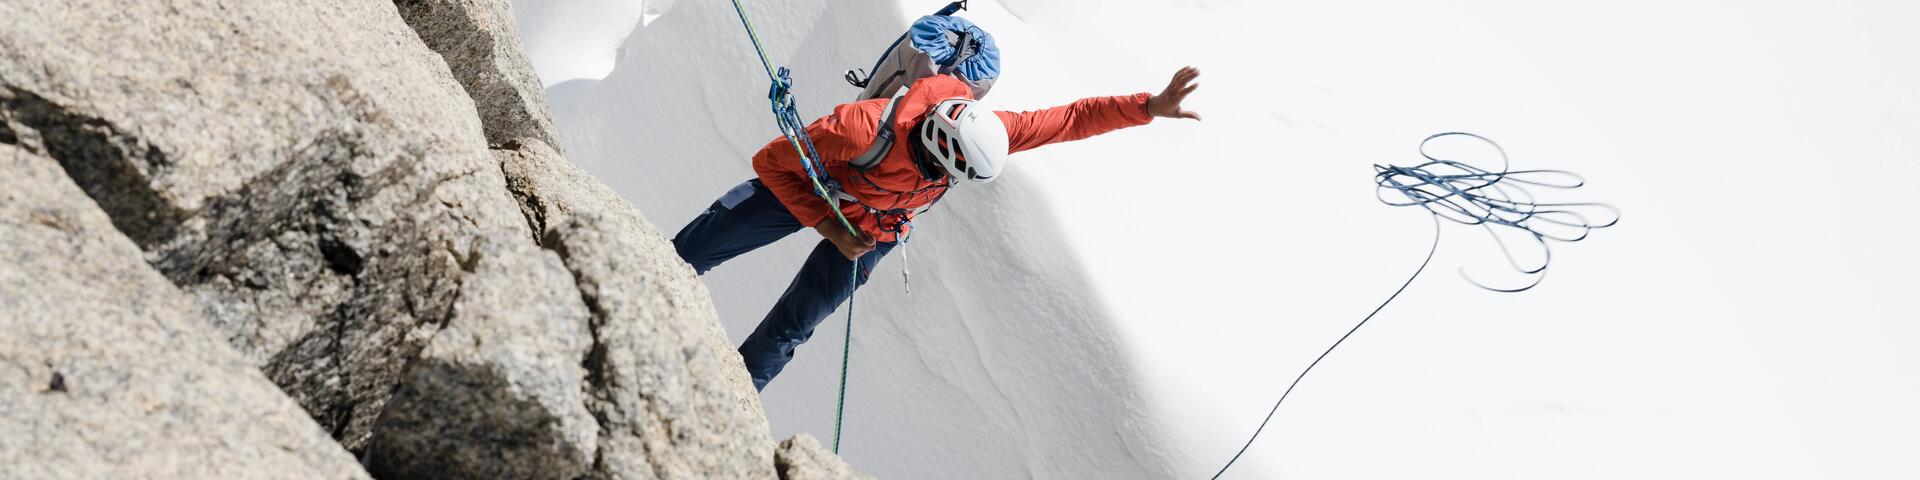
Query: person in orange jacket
942	139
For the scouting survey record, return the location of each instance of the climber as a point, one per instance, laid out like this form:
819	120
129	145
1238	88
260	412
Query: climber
945	139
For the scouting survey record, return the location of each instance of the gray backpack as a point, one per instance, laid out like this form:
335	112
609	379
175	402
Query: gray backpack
938	44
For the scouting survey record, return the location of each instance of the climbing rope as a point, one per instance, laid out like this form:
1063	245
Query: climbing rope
795	130
791	125
846	356
1336	344
1468	195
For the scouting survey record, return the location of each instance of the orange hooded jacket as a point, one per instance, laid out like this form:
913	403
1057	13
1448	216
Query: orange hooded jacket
895	182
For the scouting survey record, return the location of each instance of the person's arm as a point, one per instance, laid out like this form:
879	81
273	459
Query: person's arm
778	165
1093	116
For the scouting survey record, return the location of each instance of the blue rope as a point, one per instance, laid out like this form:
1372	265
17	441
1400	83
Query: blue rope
1336	344
1468	195
787	115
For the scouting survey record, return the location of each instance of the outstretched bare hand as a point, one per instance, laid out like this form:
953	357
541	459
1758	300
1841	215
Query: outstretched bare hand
1167	103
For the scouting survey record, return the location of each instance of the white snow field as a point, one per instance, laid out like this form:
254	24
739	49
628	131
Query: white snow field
1130	305
573	39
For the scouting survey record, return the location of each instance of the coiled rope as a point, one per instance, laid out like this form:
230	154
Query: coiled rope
1469	195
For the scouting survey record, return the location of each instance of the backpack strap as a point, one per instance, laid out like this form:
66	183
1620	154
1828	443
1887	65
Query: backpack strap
963	48
860	78
882	136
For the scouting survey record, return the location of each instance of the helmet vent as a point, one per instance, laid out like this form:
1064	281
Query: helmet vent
949	134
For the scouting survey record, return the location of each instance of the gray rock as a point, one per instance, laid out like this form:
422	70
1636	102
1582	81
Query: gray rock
482	47
802	458
499	392
477	38
668	392
307	170
107	371
320	185
552	191
661	388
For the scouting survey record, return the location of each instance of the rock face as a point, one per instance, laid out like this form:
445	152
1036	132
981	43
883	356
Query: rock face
660	388
661	362
306	170
499	392
802	458
478	39
107	371
368	202
482	48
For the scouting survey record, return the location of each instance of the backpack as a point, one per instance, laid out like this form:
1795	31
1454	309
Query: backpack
938	44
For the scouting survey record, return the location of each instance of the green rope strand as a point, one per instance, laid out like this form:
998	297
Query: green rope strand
846	354
784	95
751	35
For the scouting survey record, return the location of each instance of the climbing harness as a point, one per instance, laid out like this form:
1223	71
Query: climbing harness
1469	195
787	114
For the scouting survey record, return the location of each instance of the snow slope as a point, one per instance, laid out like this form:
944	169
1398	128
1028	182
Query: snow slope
573	39
1149	292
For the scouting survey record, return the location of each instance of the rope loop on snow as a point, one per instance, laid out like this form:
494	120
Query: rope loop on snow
1469	195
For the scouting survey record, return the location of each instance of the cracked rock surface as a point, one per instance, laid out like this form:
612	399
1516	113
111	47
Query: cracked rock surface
307	171
803	458
482	48
107	371
365	204
499	392
659	388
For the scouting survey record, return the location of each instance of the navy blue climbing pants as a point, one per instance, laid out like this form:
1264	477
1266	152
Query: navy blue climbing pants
749	217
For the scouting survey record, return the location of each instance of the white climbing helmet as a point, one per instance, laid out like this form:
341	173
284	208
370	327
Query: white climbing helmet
970	142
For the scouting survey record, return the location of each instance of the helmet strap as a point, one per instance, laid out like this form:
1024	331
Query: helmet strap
930	169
